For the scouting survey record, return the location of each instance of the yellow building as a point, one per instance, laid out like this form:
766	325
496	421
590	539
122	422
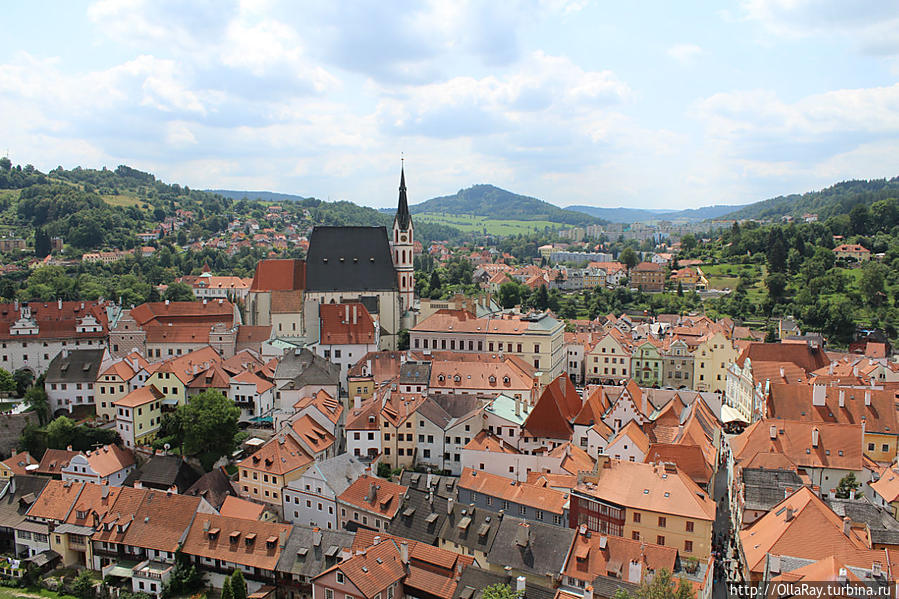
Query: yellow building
113	383
139	416
173	376
711	359
264	474
398	429
654	503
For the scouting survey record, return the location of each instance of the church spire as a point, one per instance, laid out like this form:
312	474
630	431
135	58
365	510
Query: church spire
403	218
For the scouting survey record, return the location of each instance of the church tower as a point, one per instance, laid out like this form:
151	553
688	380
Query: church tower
402	248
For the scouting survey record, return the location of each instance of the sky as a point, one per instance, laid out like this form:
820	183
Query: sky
651	104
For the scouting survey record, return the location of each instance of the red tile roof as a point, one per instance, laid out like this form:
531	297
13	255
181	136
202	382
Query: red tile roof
139	397
56	500
875	407
236	540
279	275
346	324
53	322
539	497
839	445
183	313
280	455
374	495
558	406
599	555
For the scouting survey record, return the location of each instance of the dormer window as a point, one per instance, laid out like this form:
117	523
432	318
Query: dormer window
506	380
441	378
492	379
457	378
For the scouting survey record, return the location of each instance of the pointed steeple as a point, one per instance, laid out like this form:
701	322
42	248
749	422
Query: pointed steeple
403	218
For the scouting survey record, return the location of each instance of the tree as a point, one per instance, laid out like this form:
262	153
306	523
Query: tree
227	591
36	398
688	242
238	585
7	382
629	258
776	252
776	283
509	294
402	339
24	378
179	292
208	424
661	586
680	289
871	283
60	433
541	298
435	283
860	219
41	243
83	587
500	591
847	487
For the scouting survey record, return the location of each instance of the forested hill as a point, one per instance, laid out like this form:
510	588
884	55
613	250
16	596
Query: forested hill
265	196
493	202
633	215
832	201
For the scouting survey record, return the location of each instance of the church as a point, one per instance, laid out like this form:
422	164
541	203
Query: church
343	264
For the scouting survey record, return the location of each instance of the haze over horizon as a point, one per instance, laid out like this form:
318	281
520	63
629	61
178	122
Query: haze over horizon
570	101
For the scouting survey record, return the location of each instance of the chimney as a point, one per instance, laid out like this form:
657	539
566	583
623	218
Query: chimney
588	592
355	314
317	536
843	576
868	397
404	552
518	407
449	505
815	434
876	569
781	372
772	431
842	398
166	302
59	303
377	540
774	564
346	314
635	571
790	513
519	584
819	394
847	525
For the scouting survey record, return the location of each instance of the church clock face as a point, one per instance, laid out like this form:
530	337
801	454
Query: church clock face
402	238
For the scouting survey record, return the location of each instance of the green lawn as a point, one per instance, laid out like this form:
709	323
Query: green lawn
478	224
11	593
123	200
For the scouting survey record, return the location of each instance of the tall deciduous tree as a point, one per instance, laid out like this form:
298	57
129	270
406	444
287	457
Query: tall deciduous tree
208	423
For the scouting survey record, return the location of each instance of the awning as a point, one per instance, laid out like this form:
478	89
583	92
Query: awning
120	571
729	414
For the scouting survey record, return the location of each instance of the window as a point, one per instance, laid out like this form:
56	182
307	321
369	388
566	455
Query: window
662	522
884	447
329	593
660	540
557	519
637	517
688	546
635	535
522	510
689	526
870	447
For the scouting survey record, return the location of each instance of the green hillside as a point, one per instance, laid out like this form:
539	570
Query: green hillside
494	203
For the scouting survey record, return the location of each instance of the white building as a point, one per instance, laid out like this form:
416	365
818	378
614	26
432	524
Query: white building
70	378
312	498
108	465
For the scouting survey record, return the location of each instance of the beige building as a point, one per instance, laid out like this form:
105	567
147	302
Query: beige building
710	362
538	339
264	474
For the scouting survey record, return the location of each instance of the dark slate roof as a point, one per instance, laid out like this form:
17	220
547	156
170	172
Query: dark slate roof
879	520
162	472
530	547
420	518
76	365
415	373
349	259
475	534
214	487
435	413
459	405
309	551
306	368
443	486
403	218
763	489
605	587
23	490
474	580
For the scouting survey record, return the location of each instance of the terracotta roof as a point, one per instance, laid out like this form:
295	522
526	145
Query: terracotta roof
311	434
279	275
839	445
214	377
109	459
574	459
648	267
800	354
139	397
323	402
887	485
286	302
366	417
187	366
374	495
54	460
53	322
486	441
18	461
373	570
803	526
592	555
851	247
651	488
796	402
183	313
688	458
555	411
346	324
461	321
479	375
123	367
539	497
235	507
56	500
635	433
280	455
94	499
596	404
248	378
253	333
236	540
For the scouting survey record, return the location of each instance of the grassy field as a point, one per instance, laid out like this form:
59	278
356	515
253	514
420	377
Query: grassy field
479	224
723	276
9	194
122	200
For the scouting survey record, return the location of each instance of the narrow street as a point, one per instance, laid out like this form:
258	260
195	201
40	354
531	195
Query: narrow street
722	532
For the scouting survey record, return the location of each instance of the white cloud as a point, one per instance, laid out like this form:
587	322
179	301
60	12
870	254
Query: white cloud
684	53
